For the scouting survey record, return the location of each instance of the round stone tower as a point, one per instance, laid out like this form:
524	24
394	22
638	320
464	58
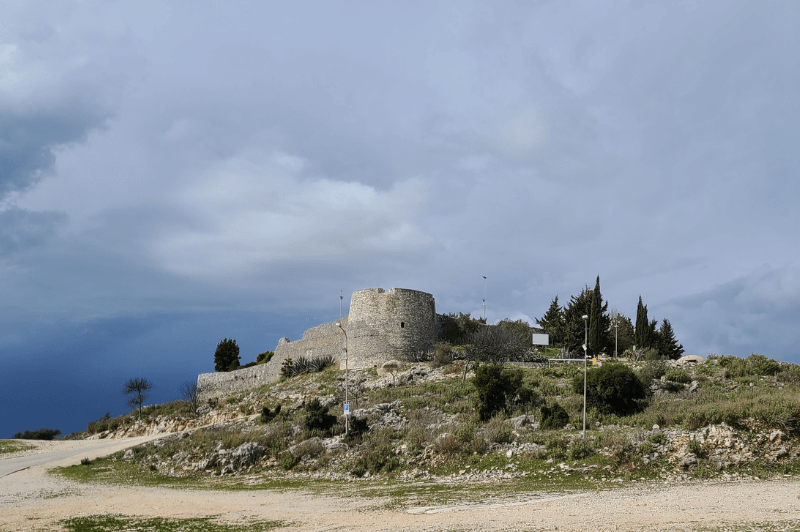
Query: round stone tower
383	326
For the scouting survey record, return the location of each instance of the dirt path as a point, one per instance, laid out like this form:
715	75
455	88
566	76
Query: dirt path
33	500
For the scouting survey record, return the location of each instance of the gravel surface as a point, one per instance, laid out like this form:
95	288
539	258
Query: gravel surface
31	499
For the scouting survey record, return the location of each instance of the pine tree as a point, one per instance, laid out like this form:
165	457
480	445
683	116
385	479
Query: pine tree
598	321
668	344
578	307
226	357
553	322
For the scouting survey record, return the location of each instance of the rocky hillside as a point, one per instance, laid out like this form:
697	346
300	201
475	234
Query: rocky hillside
724	418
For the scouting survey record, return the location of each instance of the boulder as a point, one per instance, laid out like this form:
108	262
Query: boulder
246	454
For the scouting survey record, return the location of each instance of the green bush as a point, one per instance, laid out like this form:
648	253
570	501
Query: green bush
268	415
287	461
557	447
678	375
41	434
292	368
317	418
553	417
761	365
696	448
226	357
263	358
652	370
358	427
612	389
495	386
658	438
580	448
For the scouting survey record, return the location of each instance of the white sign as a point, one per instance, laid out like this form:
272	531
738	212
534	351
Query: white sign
541	339
346	409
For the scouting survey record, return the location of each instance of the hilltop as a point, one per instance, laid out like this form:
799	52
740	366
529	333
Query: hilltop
727	418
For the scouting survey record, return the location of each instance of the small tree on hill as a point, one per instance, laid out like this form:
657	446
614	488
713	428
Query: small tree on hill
612	389
553	322
226	357
137	389
668	345
191	391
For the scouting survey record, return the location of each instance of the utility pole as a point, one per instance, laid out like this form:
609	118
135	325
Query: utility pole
585	355
484	299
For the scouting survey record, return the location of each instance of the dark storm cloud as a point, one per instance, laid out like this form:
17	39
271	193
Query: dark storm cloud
29	136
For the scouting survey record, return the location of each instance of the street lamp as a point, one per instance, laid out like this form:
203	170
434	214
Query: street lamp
616	335
346	398
484	298
585	356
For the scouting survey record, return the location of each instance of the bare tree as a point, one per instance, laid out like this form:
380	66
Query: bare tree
138	389
191	392
492	343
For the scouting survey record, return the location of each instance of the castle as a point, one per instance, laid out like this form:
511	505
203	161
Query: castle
381	326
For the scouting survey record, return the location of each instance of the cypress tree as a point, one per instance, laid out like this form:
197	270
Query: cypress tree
598	321
641	332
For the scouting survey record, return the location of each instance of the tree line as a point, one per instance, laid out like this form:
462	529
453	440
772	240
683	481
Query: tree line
566	328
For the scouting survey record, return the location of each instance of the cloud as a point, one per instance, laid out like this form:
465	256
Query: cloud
758	312
21	229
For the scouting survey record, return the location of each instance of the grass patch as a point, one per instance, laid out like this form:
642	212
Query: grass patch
11	446
104	523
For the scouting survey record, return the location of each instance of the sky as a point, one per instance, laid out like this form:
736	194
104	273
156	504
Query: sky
172	174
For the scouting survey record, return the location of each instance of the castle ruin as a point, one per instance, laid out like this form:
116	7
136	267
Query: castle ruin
381	326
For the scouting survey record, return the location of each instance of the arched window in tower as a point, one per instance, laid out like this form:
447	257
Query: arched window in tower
402	325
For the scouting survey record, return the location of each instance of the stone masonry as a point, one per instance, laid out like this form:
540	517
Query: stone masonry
381	326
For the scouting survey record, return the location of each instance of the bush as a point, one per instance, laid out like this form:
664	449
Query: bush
580	448
612	389
292	368
499	431
696	448
553	417
41	434
761	365
494	387
658	438
678	375
358	426
86	461
268	415
441	354
652	370
316	417
263	358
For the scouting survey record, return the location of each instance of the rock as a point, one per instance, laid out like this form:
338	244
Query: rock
656	428
246	454
689	462
509	453
693	386
522	421
776	435
781	452
128	455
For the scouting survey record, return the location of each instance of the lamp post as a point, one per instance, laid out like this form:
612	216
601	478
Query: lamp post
585	356
346	383
616	336
484	298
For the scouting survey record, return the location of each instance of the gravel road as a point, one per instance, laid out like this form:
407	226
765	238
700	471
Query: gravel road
30	499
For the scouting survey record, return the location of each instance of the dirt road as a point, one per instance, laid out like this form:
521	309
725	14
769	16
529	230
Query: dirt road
30	499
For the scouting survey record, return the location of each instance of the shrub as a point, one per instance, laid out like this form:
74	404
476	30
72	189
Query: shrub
553	417
441	354
696	448
376	455
494	387
41	434
316	417
761	365
678	375
557	447
86	461
268	415
580	448
292	368
358	426
448	444
612	389
652	370
287	460
499	431
263	358
658	438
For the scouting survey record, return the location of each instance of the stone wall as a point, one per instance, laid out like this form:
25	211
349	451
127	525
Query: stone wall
227	382
322	340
